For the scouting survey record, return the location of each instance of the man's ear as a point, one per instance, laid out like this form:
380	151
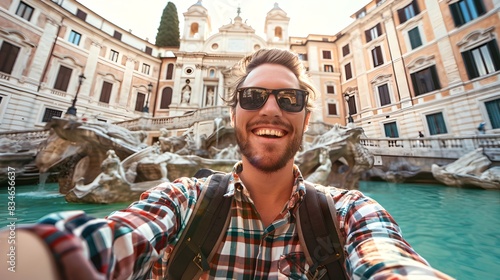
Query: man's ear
231	116
306	120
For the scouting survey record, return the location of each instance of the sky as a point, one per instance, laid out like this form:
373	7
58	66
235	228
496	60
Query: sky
326	17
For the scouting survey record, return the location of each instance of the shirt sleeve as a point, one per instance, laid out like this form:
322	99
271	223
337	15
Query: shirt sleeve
125	244
374	244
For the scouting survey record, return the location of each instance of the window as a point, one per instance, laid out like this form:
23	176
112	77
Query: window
113	55
332	109
330	89
482	60
493	109
62	79
74	37
352	105
346	50
377	56
145	68
170	71
327	68
81	14
117	35
8	56
139	102
327	55
211	73
25	11
348	71
303	56
361	14
383	95
391	130
408	12
106	92
436	124
373	32
193	31
466	10
425	80
50	113
166	98
414	36
148	50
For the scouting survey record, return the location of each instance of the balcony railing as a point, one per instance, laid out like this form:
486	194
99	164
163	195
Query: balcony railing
175	122
444	147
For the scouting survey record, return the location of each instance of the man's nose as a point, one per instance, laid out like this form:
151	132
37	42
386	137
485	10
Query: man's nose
271	107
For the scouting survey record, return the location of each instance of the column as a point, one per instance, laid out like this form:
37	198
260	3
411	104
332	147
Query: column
397	60
42	53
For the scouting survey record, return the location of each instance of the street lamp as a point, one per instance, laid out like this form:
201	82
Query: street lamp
145	109
347	97
72	110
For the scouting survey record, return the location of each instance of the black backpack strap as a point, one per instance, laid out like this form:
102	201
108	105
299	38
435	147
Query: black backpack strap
318	231
204	230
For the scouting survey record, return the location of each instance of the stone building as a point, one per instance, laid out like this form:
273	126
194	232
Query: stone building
400	67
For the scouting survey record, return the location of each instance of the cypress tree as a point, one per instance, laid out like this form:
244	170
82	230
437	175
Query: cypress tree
168	31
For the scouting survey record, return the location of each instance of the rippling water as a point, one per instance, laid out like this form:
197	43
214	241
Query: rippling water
456	230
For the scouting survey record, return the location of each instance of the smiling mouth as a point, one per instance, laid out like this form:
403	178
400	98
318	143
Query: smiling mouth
270	133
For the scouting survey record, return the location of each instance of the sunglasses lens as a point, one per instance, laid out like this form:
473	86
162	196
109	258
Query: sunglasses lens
290	100
252	98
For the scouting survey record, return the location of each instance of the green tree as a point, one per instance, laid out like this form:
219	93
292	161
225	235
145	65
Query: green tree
168	31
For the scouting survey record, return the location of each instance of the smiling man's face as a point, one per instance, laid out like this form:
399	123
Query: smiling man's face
269	137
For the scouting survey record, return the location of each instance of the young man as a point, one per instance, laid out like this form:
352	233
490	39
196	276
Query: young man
270	110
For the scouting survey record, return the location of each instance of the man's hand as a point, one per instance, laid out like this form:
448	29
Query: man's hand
25	256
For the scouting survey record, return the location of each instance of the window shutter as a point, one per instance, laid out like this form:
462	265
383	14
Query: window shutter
105	92
368	35
456	14
470	66
415	7
435	78
494	53
379	29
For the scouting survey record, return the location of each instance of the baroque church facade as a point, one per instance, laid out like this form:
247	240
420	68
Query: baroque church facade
399	68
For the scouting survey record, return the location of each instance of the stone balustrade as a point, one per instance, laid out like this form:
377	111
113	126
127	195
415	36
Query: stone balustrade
435	147
185	121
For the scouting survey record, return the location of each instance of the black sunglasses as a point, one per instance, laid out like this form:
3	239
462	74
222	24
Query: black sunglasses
288	99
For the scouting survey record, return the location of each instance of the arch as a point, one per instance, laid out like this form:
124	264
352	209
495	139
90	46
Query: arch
194	29
278	32
166	98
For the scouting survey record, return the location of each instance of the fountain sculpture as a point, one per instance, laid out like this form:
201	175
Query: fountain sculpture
107	163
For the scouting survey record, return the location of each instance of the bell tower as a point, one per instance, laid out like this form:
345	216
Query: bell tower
197	28
276	28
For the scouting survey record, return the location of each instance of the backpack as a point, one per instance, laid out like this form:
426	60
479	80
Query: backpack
316	225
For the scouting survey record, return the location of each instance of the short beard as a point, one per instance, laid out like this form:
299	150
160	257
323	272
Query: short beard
257	161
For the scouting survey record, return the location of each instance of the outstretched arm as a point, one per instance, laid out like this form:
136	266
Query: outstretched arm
122	246
375	246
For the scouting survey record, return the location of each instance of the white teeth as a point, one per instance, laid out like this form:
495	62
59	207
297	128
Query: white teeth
270	132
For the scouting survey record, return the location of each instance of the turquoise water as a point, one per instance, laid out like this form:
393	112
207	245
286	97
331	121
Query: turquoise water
456	230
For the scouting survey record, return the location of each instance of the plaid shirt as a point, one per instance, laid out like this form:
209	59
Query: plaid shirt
129	242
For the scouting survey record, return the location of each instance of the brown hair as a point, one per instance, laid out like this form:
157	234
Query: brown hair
273	56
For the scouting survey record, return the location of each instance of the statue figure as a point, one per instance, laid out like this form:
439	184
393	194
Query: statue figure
210	97
320	175
186	93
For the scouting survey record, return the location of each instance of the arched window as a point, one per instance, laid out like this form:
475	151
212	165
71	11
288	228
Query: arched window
194	29
170	71
166	98
278	33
